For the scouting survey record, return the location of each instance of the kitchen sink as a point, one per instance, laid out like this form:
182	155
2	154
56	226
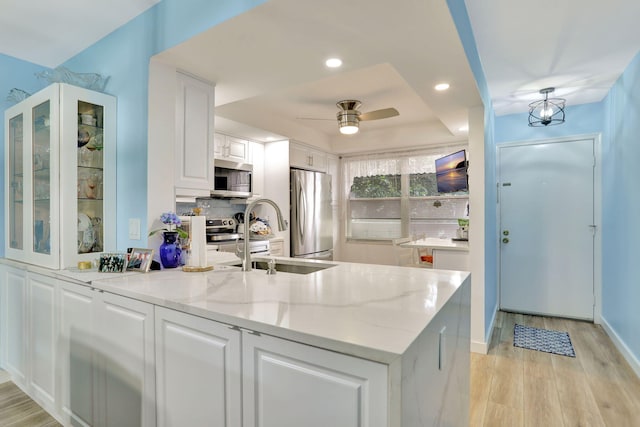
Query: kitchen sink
296	267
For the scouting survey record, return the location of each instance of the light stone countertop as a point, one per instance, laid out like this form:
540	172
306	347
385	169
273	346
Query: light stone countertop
365	310
436	243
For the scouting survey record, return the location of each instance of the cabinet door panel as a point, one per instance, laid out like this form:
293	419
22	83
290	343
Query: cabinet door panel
198	371
126	360
43	335
77	376
14	312
194	130
288	384
238	149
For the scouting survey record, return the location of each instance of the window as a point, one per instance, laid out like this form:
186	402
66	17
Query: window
395	195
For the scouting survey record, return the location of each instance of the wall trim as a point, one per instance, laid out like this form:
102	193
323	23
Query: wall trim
479	347
621	346
482	347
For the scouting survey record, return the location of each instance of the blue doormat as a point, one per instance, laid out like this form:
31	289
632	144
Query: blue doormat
555	342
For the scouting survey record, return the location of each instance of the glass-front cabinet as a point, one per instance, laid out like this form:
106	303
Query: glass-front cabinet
60	204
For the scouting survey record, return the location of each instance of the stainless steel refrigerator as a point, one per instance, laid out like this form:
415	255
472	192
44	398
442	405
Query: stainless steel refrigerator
311	215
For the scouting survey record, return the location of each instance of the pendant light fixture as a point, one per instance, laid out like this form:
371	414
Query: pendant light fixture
548	111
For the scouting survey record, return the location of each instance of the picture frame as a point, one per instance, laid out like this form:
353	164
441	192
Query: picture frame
112	262
140	260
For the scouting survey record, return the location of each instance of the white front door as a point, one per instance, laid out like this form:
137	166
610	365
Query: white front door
547	228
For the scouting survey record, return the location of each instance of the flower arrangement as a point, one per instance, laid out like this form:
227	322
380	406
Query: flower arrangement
172	223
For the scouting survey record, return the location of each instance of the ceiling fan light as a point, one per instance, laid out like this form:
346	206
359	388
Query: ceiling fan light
348	129
348	122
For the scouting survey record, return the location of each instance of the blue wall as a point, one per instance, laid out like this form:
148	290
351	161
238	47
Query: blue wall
617	118
621	208
463	24
124	56
14	73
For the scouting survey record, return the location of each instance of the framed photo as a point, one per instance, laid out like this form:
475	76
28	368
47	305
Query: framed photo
112	262
140	260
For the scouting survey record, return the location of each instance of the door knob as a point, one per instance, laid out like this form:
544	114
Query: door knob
505	240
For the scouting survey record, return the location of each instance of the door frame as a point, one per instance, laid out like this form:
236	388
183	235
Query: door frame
597	210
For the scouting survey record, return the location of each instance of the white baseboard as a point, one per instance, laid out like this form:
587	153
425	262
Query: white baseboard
479	347
621	346
483	347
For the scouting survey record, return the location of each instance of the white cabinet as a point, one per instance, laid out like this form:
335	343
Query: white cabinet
198	371
450	260
257	154
13	284
303	157
231	148
29	333
126	348
43	339
201	364
276	246
286	384
107	359
76	347
60	147
194	137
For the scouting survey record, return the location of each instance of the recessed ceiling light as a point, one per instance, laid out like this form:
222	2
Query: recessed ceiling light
333	62
441	86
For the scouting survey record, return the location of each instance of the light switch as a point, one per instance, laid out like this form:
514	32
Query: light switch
134	228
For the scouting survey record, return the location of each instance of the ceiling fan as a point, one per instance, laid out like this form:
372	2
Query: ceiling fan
349	117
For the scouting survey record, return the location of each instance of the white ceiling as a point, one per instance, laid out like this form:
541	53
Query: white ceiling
50	32
268	63
578	46
268	66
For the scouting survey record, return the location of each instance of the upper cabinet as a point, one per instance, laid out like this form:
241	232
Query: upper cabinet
303	157
60	157
231	148
194	137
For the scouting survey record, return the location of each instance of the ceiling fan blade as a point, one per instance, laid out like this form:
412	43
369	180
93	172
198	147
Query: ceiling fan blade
379	114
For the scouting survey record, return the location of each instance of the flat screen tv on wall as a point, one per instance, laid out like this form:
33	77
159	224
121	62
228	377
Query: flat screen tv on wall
451	172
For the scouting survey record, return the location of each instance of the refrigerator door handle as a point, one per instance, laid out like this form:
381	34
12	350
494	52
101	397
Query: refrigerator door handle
302	214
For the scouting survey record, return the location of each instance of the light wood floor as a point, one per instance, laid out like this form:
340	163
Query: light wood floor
18	410
514	387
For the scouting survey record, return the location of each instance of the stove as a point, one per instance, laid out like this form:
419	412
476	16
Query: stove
221	230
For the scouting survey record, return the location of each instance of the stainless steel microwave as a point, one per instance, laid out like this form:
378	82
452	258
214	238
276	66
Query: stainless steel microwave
232	179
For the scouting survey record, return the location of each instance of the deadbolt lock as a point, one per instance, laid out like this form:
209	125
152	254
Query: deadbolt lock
505	232
505	240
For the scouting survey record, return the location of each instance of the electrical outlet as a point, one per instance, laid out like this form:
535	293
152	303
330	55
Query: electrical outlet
134	228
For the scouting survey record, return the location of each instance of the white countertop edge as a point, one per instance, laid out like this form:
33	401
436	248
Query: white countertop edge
437	243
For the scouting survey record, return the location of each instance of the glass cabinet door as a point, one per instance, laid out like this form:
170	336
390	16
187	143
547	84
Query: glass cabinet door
59	166
16	174
90	177
41	177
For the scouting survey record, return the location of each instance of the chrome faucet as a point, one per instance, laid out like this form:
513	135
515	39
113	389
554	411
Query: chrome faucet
282	226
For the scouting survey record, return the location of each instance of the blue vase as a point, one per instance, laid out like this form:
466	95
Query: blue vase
170	250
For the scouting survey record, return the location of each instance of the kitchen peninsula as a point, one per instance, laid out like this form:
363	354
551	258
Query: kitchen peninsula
348	345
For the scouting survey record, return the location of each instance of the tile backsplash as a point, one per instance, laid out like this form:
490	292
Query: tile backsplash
211	207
